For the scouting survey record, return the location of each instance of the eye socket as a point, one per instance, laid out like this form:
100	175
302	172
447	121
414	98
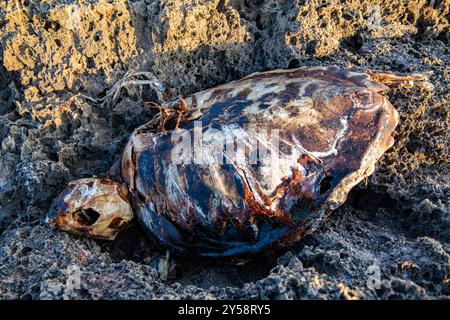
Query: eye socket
325	184
86	217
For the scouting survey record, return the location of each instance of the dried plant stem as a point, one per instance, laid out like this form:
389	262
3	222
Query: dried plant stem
129	79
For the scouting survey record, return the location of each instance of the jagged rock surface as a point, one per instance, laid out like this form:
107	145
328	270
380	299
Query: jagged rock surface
51	50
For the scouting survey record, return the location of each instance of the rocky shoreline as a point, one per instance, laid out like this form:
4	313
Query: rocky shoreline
395	228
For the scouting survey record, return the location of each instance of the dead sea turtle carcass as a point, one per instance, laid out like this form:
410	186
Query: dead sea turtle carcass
315	133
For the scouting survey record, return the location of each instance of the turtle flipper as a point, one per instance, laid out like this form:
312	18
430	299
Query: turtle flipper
393	79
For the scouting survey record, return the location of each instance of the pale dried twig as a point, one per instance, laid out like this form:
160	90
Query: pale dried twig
129	79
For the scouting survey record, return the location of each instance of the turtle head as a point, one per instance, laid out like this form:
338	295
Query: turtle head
97	208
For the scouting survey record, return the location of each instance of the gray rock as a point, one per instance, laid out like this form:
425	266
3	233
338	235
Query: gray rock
391	240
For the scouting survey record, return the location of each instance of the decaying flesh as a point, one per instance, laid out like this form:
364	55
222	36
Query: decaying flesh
333	125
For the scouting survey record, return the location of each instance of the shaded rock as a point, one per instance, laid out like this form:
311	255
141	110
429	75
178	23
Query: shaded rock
46	142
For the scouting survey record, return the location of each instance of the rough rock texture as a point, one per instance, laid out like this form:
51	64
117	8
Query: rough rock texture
395	229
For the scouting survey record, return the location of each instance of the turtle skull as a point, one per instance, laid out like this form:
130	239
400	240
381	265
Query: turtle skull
97	208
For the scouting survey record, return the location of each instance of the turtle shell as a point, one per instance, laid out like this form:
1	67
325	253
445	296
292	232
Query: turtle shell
321	130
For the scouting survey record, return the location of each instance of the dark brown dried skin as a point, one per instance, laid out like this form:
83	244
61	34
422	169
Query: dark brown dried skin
333	126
